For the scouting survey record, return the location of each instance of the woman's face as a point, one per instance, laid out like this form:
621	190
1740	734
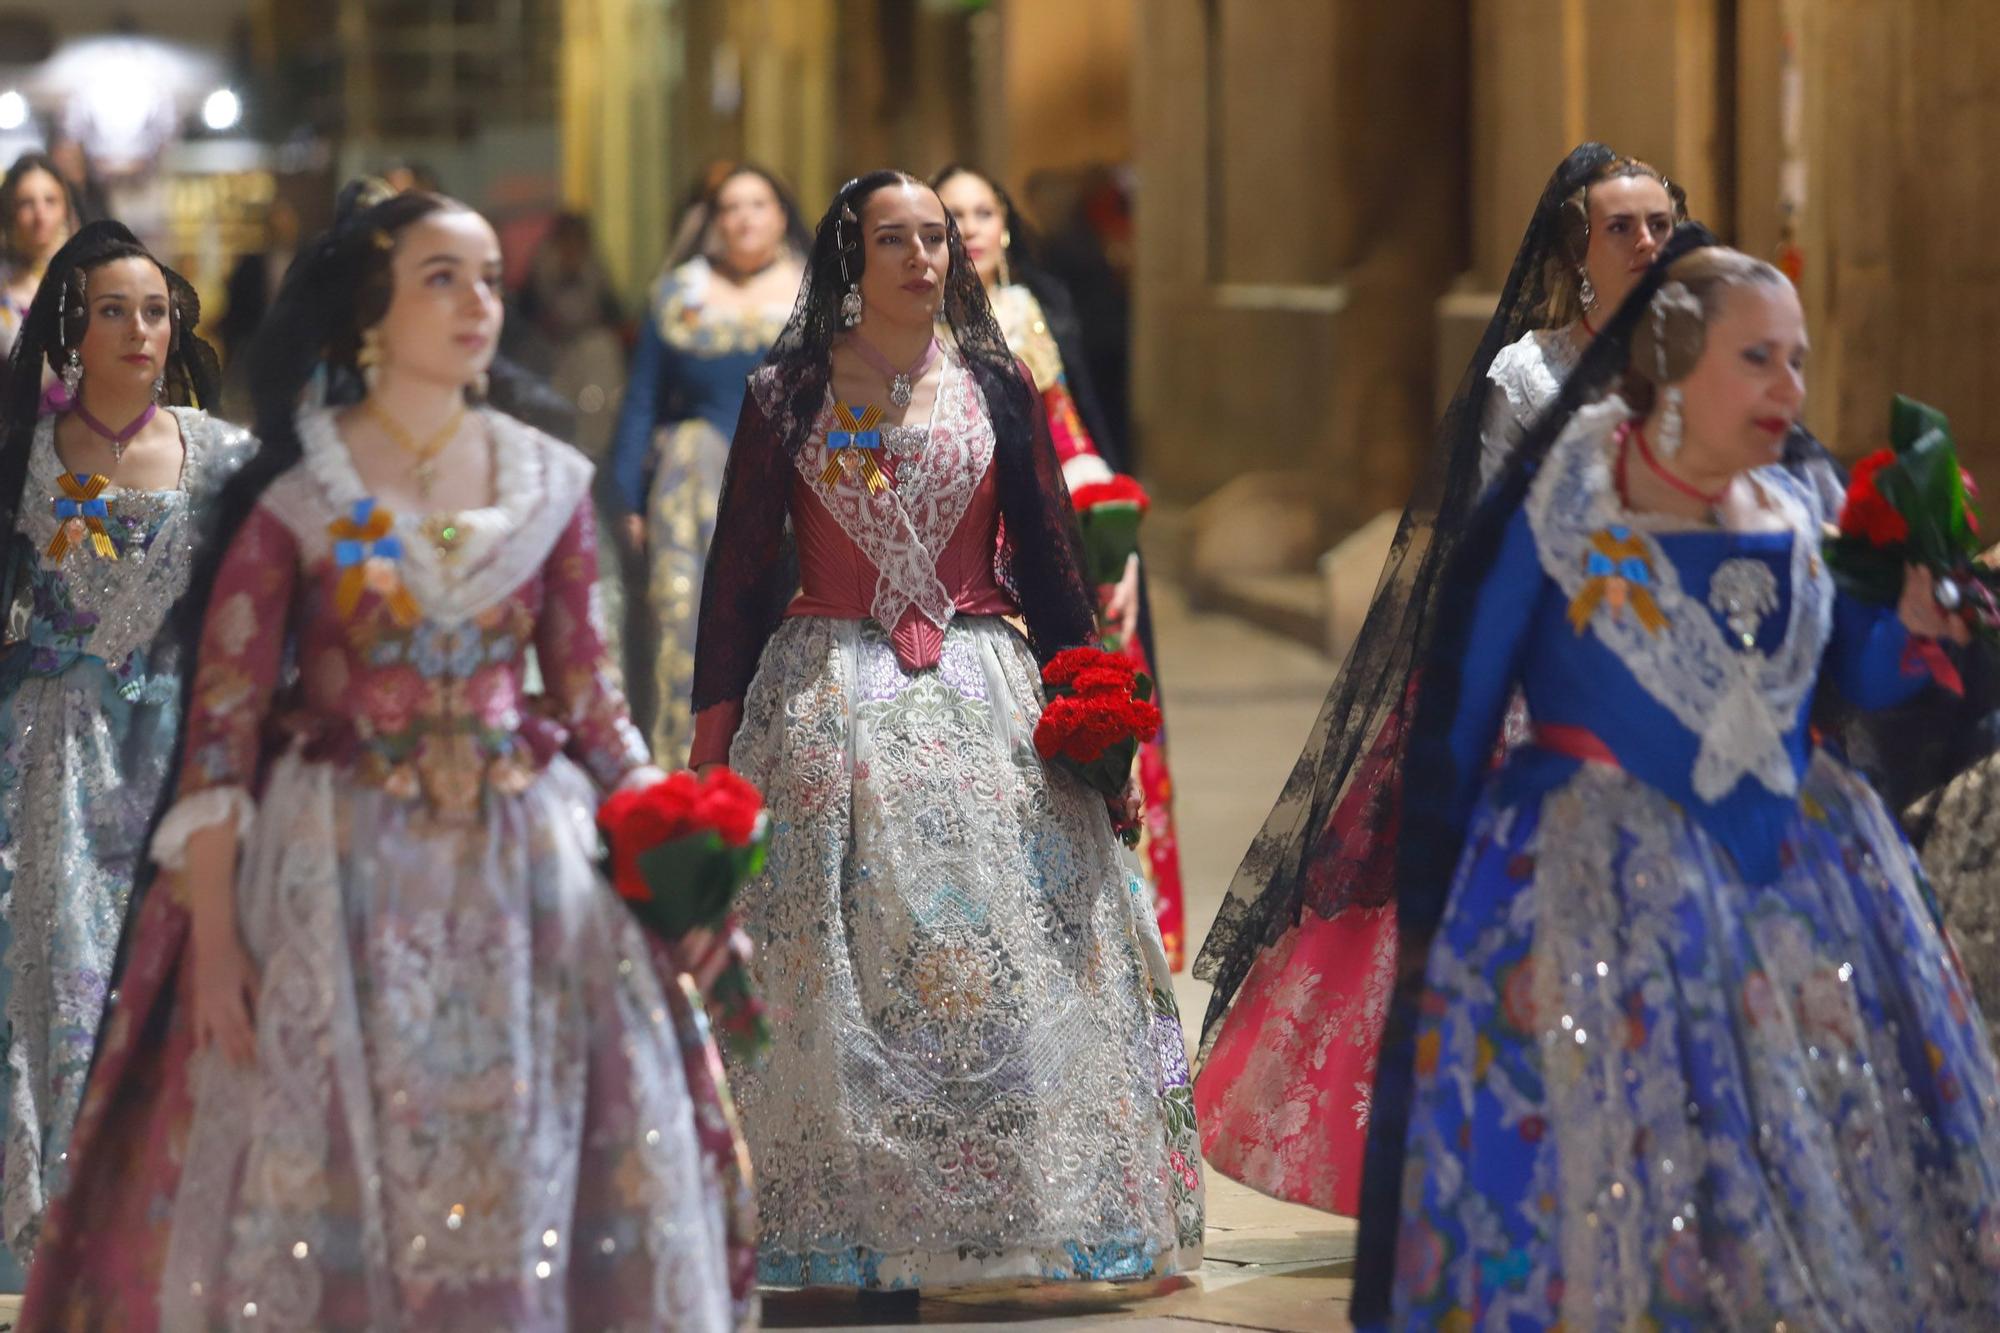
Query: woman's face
1749	386
129	327
41	214
749	222
905	256
443	321
1631	217
982	222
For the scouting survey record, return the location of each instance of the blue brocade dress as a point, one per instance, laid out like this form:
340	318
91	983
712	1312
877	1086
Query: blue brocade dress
687	379
1691	1052
89	706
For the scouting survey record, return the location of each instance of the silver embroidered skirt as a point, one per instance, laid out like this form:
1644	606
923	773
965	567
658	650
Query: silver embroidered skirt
469	1108
1650	1094
979	1073
1962	856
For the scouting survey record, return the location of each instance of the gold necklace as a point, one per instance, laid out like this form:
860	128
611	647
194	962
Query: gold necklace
424	454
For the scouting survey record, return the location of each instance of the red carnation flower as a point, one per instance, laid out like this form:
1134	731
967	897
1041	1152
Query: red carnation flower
1866	514
1118	490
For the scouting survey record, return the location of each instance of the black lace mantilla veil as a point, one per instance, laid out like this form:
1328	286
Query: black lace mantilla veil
752	569
1431	838
1288	869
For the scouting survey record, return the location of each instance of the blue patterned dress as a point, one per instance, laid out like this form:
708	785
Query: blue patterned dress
89	701
686	383
1691	1051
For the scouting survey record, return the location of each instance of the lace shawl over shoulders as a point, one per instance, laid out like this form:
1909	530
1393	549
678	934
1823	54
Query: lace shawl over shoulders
1739	704
538	483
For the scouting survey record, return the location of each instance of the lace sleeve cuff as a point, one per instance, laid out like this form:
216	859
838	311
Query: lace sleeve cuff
191	814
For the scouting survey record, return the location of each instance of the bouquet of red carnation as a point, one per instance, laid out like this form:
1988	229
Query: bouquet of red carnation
1911	504
1099	709
681	849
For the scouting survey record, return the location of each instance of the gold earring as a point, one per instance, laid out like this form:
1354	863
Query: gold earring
369	359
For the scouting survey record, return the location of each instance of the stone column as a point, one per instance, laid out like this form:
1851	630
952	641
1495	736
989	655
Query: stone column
1299	163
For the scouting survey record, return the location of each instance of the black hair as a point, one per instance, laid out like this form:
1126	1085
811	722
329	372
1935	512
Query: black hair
11	182
802	356
54	326
699	240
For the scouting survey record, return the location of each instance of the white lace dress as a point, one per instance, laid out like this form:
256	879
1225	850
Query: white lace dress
979	1072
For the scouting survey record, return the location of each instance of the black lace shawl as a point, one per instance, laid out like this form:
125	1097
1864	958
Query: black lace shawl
1289	866
1431	837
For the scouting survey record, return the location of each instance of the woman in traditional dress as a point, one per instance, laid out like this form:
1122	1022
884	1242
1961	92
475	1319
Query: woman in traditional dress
1302	953
37	214
389	1052
106	506
978	1072
1035	314
1678	1043
714	315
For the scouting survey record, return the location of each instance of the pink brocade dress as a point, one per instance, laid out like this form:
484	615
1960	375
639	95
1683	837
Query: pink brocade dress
477	1102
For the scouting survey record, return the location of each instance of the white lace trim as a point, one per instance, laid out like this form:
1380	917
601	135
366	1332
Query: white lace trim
1740	703
192	814
902	529
1526	375
539	482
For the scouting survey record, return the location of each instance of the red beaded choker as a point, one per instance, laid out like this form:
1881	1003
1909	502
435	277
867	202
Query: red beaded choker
1637	434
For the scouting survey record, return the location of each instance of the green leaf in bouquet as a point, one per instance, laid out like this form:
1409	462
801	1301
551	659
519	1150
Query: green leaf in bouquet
1110	538
1928	457
694	879
1142	687
1910	421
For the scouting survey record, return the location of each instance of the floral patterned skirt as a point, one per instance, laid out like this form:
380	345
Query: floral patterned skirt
1649	1094
1283	1096
978	1073
680	523
82	759
470	1109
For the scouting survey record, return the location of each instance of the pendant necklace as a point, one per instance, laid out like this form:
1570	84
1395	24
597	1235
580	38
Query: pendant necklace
118	438
901	382
425	453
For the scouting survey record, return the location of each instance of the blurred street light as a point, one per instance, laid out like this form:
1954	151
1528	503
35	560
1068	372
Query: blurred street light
13	110
222	110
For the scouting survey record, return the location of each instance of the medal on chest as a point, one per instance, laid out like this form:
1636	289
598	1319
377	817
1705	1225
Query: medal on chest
855	447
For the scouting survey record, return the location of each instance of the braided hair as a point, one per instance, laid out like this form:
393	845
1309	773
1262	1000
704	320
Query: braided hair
53	329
